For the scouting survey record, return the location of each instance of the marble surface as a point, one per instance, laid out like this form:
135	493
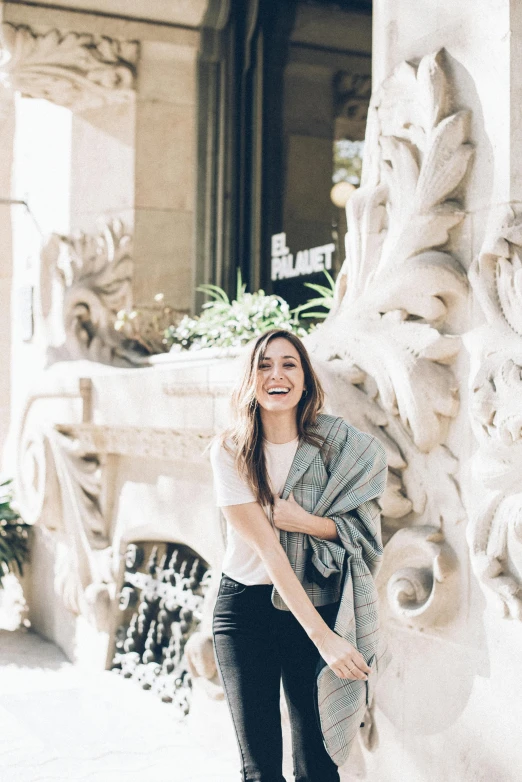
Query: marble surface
60	722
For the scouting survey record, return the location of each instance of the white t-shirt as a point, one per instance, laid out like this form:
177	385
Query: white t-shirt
241	561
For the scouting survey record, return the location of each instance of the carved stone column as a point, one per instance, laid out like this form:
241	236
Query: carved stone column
455	655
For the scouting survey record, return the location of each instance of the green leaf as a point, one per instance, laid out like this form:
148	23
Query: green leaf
325	292
329	278
215	291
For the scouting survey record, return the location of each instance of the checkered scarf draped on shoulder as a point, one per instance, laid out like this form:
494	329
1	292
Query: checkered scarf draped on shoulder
341	480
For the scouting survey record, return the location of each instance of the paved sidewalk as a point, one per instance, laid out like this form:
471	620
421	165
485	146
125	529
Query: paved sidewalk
59	722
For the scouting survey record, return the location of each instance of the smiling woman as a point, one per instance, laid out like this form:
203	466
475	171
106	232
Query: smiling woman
278	360
277	604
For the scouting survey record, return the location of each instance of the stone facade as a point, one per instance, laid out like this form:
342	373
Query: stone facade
422	347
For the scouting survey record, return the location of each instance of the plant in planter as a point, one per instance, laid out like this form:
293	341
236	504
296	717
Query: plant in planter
144	327
229	324
14	535
325	299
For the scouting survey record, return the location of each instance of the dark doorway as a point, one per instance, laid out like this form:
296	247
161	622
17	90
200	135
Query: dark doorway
279	85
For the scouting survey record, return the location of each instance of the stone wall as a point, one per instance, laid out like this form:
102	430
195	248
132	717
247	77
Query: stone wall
102	132
449	705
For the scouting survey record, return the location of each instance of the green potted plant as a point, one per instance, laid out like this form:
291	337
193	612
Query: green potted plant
14	534
231	324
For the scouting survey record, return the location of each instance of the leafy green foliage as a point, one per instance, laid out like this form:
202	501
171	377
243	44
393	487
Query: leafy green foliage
225	323
14	535
325	299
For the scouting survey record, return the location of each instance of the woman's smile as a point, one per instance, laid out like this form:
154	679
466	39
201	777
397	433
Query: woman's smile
277	390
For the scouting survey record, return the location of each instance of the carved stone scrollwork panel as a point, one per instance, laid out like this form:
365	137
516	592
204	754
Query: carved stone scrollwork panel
85	301
384	352
60	488
496	414
75	70
84	281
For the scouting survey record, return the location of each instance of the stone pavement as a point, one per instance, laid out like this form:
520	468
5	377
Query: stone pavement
60	722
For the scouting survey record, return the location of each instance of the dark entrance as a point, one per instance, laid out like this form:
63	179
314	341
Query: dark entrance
279	84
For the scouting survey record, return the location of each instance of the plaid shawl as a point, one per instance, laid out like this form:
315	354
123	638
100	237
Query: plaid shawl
341	480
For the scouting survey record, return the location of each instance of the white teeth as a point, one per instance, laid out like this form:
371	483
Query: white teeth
278	390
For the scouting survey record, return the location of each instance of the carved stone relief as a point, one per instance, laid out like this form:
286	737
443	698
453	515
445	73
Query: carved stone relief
495	528
63	478
60	487
75	70
85	281
385	350
149	443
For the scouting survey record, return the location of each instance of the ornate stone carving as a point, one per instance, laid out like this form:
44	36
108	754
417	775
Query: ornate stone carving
85	281
76	70
150	443
60	488
63	477
417	577
385	350
94	275
495	529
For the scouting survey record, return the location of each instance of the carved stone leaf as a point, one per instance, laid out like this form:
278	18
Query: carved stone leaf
395	504
444	286
431	483
404	358
445	163
108	49
433	89
419	233
368	221
496	547
400	173
74	70
509	287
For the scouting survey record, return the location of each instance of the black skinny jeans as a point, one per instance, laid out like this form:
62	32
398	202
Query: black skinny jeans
256	644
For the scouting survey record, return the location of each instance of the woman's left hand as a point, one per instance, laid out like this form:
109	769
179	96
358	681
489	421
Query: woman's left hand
289	515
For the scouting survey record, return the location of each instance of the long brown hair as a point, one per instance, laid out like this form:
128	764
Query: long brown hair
246	431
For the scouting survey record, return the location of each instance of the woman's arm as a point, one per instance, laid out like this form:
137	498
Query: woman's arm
290	516
251	522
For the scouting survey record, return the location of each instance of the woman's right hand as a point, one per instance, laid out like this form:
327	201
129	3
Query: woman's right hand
342	657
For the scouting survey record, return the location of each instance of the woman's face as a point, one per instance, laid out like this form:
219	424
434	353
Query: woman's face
280	377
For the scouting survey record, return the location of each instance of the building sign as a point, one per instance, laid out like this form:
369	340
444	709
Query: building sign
317	259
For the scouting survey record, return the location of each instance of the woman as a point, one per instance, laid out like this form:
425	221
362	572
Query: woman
286	568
